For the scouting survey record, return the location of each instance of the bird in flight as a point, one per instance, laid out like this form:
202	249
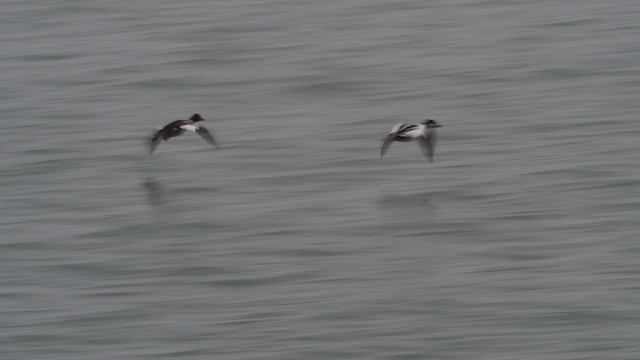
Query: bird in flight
424	134
177	128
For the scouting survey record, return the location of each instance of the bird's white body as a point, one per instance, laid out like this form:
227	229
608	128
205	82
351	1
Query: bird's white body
190	127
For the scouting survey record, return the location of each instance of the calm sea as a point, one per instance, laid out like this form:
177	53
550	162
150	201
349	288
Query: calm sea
294	240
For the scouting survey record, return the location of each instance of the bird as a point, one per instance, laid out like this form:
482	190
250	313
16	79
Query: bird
177	128
424	134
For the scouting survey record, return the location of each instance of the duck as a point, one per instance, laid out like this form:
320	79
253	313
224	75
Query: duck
424	134
177	128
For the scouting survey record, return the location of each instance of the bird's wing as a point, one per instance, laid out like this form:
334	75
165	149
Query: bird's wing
156	139
204	133
400	128
385	144
427	144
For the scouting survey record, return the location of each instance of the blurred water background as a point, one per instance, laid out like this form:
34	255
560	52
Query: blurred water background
295	240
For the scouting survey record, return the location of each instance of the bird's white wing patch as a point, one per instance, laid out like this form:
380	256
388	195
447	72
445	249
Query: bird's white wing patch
189	127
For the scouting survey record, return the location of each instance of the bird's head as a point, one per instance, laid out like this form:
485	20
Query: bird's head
431	123
196	118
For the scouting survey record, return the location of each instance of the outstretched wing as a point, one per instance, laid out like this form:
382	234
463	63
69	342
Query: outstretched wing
428	144
385	145
200	130
204	133
386	142
155	140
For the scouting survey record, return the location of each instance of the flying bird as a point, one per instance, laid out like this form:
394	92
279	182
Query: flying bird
424	134
177	128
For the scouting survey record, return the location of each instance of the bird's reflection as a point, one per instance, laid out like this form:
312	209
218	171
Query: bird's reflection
155	192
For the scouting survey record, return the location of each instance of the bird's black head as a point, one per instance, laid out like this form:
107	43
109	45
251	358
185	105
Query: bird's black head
196	118
431	123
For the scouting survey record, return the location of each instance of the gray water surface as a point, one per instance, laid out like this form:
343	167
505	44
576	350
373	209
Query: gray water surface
294	240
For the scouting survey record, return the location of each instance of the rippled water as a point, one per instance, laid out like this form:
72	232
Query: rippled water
294	240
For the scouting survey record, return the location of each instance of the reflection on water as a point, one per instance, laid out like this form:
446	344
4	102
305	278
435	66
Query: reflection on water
155	192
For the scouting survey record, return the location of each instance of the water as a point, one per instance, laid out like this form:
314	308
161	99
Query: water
294	240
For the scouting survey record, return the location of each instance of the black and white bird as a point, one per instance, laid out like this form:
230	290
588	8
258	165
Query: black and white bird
424	134
177	128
